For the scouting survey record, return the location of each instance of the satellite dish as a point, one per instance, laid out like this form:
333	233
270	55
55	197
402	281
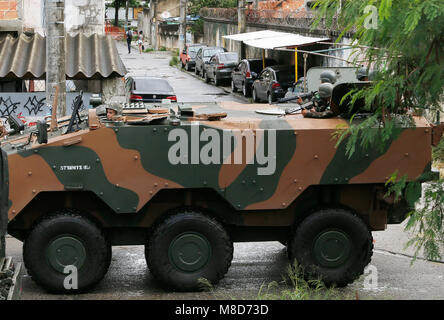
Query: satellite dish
165	15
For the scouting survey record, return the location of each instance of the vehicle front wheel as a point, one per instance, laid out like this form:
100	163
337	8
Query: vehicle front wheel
186	247
332	245
66	253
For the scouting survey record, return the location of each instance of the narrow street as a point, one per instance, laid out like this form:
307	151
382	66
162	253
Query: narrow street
188	88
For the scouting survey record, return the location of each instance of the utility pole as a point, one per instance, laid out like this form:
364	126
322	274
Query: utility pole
55	54
241	25
126	15
183	25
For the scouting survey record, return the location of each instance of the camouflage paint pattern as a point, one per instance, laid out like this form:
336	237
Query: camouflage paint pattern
127	168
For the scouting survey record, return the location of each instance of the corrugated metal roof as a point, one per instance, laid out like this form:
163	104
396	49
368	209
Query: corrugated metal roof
93	57
269	39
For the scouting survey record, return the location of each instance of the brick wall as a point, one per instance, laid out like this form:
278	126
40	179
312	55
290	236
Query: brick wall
8	10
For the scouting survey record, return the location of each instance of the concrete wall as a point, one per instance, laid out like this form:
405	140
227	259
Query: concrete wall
171	6
86	16
10	15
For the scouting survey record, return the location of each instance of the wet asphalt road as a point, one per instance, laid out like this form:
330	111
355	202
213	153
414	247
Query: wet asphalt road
255	265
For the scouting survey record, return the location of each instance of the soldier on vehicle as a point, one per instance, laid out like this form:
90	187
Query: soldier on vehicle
113	110
328	77
319	106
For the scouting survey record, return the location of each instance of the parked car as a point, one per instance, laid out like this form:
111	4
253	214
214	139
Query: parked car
246	72
203	55
146	89
188	55
220	67
273	82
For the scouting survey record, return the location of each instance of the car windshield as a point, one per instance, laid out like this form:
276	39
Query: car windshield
229	57
152	85
192	51
256	65
211	52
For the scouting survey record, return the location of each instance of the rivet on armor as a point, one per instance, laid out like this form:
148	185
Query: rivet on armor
316	156
300	188
166	184
295	180
29	173
116	130
155	185
283	204
136	158
406	154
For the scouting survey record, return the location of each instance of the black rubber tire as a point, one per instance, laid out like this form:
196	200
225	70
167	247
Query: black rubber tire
233	87
66	222
270	98
300	246
245	91
255	97
187	67
157	251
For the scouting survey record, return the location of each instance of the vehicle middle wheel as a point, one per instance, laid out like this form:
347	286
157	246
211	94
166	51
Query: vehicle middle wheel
233	87
62	240
334	245
186	247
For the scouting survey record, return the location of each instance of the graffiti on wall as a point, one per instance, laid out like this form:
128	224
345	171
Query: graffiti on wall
31	107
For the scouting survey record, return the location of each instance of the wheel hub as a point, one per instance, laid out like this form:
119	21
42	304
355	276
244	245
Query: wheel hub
332	248
190	252
65	251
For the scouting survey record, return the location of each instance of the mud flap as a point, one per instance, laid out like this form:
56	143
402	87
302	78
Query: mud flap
4	196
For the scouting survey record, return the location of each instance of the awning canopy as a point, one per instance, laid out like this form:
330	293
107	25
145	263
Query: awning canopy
86	58
274	40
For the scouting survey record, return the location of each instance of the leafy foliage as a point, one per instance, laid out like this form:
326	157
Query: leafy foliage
194	6
405	46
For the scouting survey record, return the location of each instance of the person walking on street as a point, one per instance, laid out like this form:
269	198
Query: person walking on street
140	41
129	38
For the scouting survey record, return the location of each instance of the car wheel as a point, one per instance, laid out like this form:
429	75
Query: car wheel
60	242
333	245
233	87
270	98
255	97
245	90
186	247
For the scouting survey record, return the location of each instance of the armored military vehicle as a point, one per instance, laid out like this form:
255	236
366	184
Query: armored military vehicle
188	181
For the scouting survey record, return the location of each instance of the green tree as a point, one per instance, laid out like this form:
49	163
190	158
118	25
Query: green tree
194	6
117	4
404	42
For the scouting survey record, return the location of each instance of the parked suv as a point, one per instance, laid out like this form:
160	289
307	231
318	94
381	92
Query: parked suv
204	55
246	72
188	55
273	82
220	66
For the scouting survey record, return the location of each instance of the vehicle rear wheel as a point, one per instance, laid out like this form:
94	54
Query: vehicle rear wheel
66	239
233	87
186	247
333	245
255	97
